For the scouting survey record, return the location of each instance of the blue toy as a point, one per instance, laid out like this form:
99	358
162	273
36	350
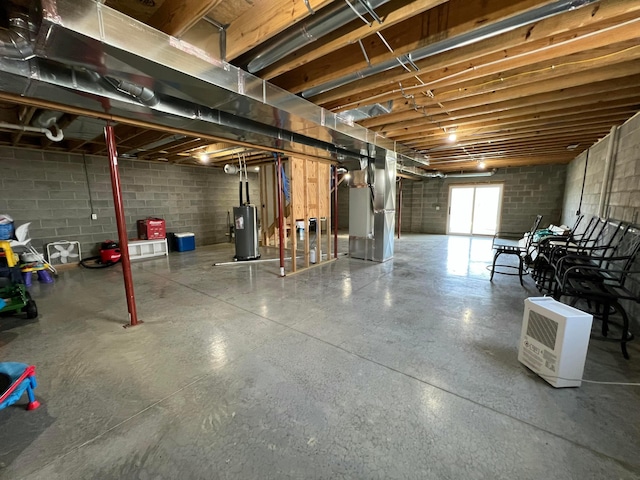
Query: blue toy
15	378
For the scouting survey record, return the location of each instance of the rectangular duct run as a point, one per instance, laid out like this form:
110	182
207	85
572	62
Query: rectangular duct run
372	210
91	56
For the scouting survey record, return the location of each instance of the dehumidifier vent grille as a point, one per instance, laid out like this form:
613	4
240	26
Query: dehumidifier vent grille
542	329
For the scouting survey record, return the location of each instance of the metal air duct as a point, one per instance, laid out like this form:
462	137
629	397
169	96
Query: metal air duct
462	40
149	76
318	25
490	173
15	41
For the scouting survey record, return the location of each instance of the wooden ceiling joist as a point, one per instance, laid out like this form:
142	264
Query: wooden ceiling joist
264	21
175	17
444	21
556	31
391	15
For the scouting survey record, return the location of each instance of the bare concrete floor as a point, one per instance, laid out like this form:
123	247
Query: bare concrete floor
405	369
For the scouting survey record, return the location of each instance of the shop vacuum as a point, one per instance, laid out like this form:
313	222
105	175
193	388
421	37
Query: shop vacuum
245	223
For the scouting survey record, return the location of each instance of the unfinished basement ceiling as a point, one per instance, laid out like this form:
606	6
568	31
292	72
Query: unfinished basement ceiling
518	82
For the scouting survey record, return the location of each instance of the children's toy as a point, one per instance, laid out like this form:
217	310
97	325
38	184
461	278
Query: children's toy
23	241
13	292
15	379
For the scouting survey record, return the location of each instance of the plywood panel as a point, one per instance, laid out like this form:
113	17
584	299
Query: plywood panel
298	187
324	174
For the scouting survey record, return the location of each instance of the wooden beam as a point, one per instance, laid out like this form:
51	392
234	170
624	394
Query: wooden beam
444	21
417	139
537	135
617	43
535	104
624	99
174	17
392	14
60	107
545	34
265	20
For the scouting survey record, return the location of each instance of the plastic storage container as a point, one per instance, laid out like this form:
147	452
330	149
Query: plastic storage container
185	242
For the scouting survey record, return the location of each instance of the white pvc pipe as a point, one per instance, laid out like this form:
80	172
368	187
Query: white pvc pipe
24	128
611	147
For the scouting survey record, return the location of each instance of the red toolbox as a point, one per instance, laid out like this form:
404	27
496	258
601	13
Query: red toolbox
151	229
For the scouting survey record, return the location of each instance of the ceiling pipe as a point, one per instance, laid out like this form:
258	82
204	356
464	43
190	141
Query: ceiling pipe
193	92
86	81
54	137
15	41
462	40
145	95
417	172
317	26
489	173
45	119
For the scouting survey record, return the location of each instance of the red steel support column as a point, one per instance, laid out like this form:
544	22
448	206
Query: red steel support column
335	211
280	214
399	206
122	227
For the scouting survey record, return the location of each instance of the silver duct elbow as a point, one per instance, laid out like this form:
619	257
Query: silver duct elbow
145	95
15	41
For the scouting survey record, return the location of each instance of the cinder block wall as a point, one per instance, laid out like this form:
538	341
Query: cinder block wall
623	200
528	191
55	193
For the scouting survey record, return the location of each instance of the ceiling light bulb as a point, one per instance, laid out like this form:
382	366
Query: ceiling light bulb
347	176
482	165
204	158
452	137
257	169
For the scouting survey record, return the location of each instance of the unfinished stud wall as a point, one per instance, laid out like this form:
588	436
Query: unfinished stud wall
50	191
528	191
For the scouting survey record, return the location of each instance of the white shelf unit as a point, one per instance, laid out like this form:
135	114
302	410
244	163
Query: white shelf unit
139	249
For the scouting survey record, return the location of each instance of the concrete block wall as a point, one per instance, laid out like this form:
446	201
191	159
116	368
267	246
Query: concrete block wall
57	195
594	160
622	201
528	191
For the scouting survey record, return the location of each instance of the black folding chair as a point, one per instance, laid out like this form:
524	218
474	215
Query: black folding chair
511	243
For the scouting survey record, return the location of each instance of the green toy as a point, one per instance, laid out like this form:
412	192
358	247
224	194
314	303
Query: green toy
13	293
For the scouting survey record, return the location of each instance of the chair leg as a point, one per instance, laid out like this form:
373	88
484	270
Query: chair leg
605	317
520	268
625	329
493	266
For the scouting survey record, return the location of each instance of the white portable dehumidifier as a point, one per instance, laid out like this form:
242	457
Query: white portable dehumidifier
554	341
